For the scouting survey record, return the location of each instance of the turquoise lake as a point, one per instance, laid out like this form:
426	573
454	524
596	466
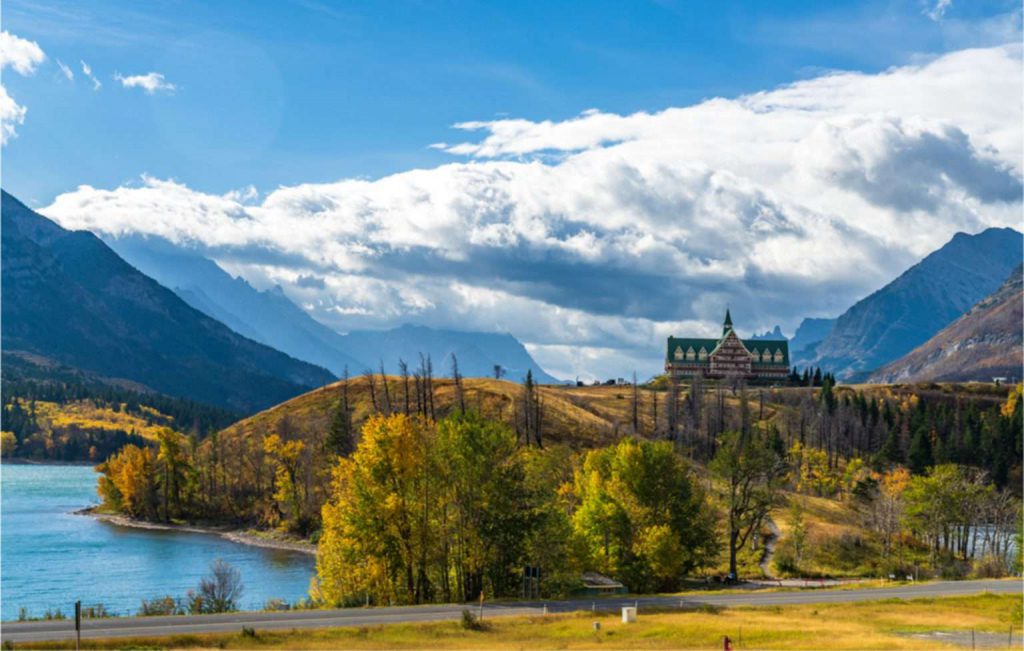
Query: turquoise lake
49	557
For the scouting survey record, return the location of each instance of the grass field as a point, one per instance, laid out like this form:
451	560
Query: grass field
888	624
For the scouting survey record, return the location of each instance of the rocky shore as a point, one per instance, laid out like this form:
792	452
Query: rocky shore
255	538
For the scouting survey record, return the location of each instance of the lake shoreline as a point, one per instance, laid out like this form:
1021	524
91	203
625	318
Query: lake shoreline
236	535
23	461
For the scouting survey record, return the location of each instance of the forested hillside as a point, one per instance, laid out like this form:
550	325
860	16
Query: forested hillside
76	421
352	463
69	300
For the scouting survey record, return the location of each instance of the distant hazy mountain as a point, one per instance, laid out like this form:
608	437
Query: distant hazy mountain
268	317
771	335
986	342
808	334
477	352
272	318
68	298
927	297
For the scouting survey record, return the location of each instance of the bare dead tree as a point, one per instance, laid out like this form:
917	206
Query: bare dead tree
673	408
458	383
636	407
430	387
418	387
404	369
533	412
371	382
387	392
654	412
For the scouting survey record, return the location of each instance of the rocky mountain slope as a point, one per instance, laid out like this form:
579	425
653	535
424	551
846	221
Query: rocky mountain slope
911	309
810	333
982	344
68	298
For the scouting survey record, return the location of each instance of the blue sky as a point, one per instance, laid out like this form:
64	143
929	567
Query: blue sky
589	177
278	93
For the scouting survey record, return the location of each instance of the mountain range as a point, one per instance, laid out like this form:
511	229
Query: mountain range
69	300
270	317
984	343
924	299
808	335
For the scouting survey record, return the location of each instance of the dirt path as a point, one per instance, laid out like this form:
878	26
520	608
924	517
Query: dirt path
769	547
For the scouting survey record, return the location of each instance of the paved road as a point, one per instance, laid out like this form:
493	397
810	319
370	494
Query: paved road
156	626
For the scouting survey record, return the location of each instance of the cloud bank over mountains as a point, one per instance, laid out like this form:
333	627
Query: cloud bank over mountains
593	238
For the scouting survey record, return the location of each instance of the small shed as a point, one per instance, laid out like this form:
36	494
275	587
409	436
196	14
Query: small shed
598	584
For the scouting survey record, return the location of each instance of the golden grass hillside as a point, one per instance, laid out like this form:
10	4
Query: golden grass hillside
579	416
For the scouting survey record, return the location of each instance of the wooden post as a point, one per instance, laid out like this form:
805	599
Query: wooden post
481	617
78	625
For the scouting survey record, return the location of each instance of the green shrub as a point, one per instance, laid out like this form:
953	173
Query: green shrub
471	622
990	567
166	605
785	561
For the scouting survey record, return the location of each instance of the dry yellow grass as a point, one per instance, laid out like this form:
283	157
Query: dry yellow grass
888	624
579	416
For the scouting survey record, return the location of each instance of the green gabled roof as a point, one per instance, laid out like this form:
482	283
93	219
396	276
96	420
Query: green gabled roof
759	345
753	345
687	342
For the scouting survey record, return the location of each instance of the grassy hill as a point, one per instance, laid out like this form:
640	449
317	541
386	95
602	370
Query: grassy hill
588	416
578	416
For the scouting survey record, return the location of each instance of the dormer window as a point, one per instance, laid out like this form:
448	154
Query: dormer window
766	356
691	354
702	354
778	356
679	352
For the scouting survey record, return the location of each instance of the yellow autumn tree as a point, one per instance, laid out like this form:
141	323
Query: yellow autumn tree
376	538
8	442
127	482
888	506
1010	406
289	493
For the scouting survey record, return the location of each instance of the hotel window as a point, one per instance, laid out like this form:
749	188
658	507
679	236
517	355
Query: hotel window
691	354
679	352
778	357
703	354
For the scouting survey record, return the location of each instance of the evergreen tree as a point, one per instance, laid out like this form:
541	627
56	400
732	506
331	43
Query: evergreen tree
891	452
920	455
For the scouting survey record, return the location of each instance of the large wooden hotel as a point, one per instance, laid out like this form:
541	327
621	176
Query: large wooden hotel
728	358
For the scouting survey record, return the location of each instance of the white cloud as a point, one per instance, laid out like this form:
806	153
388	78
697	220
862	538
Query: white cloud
592	239
939	9
11	114
87	71
20	54
65	70
23	56
150	82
